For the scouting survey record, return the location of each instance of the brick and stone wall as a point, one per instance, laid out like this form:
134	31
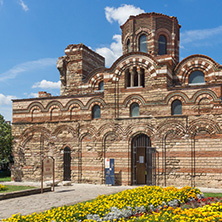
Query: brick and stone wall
189	145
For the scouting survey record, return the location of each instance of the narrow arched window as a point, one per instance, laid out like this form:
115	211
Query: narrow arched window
176	107
142	43
134	110
196	77
96	112
128	46
162	45
101	86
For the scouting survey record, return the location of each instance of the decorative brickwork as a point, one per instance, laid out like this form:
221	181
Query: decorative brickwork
186	146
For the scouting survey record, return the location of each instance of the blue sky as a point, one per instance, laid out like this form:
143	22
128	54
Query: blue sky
34	33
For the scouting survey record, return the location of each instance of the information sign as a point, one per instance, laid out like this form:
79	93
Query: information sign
48	167
48	170
109	171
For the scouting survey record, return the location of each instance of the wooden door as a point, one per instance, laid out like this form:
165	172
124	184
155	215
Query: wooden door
67	164
140	165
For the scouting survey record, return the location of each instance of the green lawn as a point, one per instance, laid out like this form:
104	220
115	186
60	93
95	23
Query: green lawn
4	179
12	188
212	194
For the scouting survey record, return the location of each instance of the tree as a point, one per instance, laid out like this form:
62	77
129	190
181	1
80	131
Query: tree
5	142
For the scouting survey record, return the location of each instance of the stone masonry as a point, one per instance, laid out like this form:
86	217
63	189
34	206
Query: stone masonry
187	144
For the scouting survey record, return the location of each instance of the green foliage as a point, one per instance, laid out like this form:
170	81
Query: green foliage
13	188
5	142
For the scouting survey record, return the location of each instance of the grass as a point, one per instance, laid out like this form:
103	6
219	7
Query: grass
5	179
12	188
212	194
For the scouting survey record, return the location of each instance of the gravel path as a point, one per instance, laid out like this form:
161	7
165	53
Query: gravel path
63	195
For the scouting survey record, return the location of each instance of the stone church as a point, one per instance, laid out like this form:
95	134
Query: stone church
159	118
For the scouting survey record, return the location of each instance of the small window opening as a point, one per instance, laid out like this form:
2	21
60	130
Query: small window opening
96	112
143	43
162	45
196	77
134	110
101	86
128	46
176	107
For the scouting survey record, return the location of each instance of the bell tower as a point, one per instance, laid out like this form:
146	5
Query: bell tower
152	33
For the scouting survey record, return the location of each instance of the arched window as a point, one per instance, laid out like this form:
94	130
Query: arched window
196	77
142	43
96	112
101	86
134	110
128	46
162	45
176	107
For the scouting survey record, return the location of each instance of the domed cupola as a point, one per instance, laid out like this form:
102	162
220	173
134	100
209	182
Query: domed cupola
152	33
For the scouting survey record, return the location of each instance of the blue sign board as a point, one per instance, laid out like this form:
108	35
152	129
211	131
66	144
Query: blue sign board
109	171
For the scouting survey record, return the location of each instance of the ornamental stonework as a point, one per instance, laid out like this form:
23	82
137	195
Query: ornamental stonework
160	119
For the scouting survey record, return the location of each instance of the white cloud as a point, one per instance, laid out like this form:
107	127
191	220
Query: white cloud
199	34
6	100
31	95
6	106
1	2
27	67
122	13
113	52
24	6
44	84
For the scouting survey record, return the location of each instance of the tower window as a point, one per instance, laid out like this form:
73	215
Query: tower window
128	46
162	45
96	112
101	86
143	43
196	77
176	107
134	110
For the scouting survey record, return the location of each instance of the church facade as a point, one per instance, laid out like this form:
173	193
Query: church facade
159	118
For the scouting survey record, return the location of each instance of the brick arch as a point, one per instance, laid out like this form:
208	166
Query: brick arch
176	95
195	63
33	109
139	127
87	129
95	80
95	101
105	136
54	104
74	102
204	124
146	63
35	104
31	130
165	32
51	109
70	129
134	98
211	95
134	134
138	33
75	105
174	127
110	128
127	37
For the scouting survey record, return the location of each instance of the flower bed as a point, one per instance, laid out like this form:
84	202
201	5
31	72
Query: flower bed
2	187
139	204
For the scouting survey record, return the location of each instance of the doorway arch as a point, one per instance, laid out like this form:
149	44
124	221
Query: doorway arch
67	164
143	160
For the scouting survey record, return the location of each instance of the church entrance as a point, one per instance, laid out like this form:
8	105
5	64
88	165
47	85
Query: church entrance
67	164
143	161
